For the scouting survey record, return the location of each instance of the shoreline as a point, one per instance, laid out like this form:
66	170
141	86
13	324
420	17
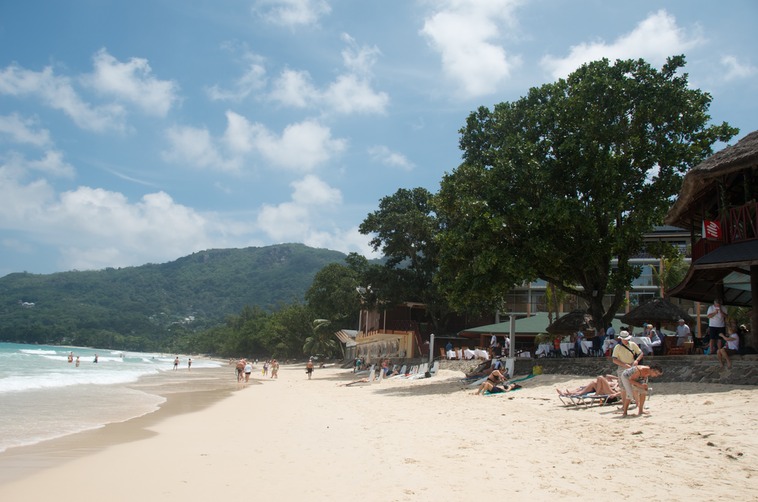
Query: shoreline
404	440
206	386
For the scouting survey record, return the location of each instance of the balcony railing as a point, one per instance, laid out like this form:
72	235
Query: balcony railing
738	224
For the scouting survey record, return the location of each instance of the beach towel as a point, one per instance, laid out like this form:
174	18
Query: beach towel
488	393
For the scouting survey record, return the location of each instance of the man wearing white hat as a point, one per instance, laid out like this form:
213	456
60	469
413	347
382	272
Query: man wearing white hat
626	354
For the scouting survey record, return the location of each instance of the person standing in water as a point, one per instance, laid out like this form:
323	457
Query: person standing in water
189	364
95	359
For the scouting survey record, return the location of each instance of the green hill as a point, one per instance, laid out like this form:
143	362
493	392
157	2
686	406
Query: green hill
141	308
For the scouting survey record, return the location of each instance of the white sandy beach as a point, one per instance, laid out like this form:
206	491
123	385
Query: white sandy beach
417	440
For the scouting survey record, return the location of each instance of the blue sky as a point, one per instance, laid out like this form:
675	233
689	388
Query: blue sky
142	131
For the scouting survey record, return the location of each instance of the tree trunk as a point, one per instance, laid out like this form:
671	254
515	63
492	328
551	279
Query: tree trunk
597	310
752	338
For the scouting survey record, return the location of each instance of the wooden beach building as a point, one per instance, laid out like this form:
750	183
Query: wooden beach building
718	204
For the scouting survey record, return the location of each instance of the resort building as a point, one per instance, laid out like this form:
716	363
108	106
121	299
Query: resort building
717	207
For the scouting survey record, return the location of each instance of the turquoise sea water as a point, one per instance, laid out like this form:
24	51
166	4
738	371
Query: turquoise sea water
43	396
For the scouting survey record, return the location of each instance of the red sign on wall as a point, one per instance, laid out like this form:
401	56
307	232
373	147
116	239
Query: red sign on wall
711	230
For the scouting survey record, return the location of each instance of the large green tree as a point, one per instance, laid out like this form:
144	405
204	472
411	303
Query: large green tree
404	229
564	181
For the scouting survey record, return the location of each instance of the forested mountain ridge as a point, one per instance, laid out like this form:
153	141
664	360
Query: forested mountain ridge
139	308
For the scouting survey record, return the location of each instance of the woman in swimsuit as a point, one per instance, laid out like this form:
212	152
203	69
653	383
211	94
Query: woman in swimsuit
492	382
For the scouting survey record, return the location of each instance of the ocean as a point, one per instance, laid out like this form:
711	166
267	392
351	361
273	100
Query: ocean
43	396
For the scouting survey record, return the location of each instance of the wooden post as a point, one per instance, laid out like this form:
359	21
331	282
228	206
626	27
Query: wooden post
753	338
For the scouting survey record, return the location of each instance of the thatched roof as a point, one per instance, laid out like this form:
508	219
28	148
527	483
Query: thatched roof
571	322
699	179
658	310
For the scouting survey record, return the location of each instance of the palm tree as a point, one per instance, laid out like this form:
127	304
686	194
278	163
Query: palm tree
321	341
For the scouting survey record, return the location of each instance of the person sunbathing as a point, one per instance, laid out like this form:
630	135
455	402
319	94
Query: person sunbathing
496	382
607	385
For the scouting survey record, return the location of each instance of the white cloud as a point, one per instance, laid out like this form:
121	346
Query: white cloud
292	13
466	34
240	133
51	164
311	191
23	204
302	146
22	130
110	231
58	93
253	79
294	88
195	147
351	94
736	69
351	91
95	228
297	218
654	39
132	82
384	155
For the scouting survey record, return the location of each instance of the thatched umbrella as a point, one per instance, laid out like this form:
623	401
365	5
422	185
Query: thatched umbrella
658	310
571	323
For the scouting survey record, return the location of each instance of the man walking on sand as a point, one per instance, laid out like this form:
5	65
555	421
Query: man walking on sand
309	368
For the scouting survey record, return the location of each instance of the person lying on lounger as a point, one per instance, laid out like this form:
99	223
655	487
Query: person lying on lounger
607	385
496	382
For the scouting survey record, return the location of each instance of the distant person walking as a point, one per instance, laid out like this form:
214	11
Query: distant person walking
309	368
274	369
176	363
77	361
248	370
189	364
240	367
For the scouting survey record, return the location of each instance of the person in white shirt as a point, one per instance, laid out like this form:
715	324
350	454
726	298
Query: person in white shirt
732	347
683	333
716	325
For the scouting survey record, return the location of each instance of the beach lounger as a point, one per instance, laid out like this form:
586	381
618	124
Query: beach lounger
420	371
365	381
587	400
400	373
435	368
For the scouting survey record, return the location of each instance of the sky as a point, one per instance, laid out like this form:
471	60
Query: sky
143	131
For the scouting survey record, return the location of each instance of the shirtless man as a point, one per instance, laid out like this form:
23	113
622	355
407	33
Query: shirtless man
630	379
309	368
